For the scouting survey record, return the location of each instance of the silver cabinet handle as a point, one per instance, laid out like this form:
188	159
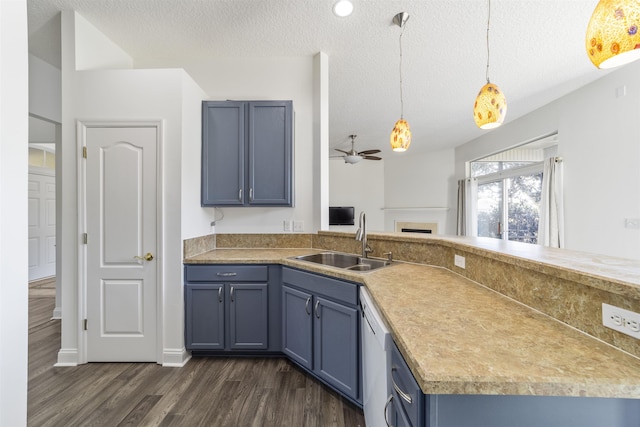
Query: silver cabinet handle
240	195
306	306
220	294
251	194
232	294
317	314
402	394
386	415
226	274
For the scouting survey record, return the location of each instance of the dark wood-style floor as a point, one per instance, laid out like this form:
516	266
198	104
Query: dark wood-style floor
217	391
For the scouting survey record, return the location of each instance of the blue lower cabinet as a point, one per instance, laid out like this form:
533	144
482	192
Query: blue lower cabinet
320	329
248	317
226	310
297	331
204	329
226	316
336	345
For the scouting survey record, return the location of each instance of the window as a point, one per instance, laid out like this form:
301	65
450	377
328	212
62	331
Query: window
509	189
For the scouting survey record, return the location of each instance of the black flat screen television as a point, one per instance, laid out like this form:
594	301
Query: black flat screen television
341	215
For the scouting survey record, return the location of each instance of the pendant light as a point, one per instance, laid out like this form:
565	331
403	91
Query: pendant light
612	34
401	133
491	105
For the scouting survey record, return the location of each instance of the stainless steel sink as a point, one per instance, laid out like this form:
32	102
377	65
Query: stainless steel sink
346	261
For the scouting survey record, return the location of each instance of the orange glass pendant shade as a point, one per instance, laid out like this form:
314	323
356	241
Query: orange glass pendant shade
612	34
490	108
400	136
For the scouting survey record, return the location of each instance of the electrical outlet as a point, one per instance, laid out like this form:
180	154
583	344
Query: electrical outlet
287	225
632	223
621	320
459	261
298	225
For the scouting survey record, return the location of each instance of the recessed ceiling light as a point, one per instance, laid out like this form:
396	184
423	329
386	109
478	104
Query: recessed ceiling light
343	8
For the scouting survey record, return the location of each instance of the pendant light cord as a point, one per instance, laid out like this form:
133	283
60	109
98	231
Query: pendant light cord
401	98
488	24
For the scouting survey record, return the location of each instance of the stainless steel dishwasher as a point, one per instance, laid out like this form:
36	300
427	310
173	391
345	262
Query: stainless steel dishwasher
376	355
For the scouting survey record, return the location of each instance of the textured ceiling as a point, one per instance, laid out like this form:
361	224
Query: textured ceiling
537	52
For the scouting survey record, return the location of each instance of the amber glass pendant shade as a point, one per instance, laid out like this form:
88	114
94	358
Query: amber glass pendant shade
490	107
400	136
612	34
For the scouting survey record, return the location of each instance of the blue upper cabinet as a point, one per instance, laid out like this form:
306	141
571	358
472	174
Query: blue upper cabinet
247	153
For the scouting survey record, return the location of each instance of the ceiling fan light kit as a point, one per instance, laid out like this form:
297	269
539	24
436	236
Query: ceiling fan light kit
490	107
400	138
612	34
352	156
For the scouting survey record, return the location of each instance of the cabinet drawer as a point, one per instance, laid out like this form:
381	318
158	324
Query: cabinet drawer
226	273
405	388
339	290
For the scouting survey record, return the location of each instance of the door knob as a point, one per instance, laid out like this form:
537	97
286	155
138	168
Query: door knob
147	257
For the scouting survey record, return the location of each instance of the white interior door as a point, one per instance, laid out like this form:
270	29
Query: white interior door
42	224
121	220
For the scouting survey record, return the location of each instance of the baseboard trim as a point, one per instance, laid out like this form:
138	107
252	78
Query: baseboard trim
67	357
175	357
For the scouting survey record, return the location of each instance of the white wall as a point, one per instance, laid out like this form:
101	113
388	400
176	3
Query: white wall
599	140
14	111
423	182
195	220
360	185
94	51
45	99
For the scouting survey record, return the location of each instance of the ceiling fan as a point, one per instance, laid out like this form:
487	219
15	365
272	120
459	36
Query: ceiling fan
354	156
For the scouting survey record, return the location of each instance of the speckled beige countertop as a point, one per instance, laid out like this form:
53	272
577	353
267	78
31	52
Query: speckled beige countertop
459	337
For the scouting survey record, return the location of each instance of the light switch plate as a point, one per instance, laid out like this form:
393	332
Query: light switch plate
459	261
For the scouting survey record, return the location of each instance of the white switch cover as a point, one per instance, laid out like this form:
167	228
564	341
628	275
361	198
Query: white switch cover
621	320
298	225
287	225
459	261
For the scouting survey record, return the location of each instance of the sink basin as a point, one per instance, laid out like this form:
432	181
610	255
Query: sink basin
346	261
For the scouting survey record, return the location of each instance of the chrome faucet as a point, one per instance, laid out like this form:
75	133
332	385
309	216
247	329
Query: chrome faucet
361	235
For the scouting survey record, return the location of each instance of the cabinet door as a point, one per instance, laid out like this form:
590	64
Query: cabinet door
204	323
270	153
297	325
248	316
223	153
336	345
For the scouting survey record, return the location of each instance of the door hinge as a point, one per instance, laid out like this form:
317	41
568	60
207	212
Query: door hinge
85	238
84	324
84	152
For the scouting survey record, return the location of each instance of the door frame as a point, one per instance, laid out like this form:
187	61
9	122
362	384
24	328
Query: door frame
81	142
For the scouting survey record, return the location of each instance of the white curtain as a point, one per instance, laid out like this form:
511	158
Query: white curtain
466	224
551	225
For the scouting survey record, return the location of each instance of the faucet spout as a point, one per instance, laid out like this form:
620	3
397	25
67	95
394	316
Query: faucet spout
361	235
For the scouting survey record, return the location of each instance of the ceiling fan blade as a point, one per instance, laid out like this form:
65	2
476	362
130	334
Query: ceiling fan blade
365	152
372	158
342	151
